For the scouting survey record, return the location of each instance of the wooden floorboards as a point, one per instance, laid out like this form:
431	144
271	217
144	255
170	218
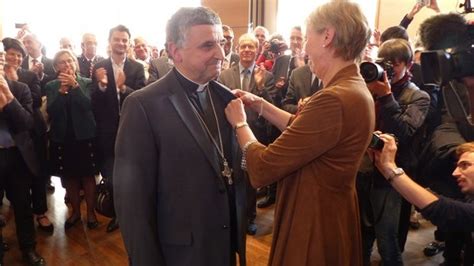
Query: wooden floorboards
83	247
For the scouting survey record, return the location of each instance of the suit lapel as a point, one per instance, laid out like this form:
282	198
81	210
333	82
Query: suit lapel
181	103
236	77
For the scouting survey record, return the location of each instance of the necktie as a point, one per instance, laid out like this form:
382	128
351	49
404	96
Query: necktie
314	86
246	80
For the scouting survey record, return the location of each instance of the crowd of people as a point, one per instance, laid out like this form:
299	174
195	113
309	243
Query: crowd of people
190	137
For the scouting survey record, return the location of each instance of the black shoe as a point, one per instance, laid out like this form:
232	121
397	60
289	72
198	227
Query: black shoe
433	248
113	225
46	228
92	225
266	202
33	258
251	228
70	223
262	192
5	246
50	188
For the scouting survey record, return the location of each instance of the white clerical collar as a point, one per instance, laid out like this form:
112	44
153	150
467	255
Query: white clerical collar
200	88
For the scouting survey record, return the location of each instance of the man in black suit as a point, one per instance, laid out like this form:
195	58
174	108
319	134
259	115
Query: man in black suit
178	187
114	79
18	161
230	58
36	61
303	83
88	58
247	76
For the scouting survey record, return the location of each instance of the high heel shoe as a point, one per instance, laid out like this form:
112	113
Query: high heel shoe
46	228
68	224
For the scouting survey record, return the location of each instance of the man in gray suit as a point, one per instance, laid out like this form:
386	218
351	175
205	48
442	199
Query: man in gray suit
247	76
179	190
158	68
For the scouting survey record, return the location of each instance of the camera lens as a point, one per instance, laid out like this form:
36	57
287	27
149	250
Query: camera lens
371	71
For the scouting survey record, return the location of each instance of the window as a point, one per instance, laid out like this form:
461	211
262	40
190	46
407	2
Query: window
53	19
294	12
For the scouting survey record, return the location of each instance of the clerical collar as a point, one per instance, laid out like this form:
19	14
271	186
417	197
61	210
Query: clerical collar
188	84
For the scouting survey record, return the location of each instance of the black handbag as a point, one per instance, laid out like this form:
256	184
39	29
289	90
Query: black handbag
105	199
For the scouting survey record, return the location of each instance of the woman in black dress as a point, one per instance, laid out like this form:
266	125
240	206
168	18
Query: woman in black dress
72	153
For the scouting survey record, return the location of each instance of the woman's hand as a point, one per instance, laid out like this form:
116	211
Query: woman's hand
385	159
249	99
68	79
235	112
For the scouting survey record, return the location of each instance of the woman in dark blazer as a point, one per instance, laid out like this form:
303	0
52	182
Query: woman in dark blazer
15	53
72	133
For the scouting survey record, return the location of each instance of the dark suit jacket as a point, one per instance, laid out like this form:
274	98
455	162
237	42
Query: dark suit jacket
158	68
260	127
281	69
299	87
85	65
30	79
106	106
20	122
234	59
48	70
171	201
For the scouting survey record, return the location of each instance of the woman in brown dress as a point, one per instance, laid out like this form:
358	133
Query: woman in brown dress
315	160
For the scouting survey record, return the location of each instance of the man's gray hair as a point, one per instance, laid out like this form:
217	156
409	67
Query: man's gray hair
185	18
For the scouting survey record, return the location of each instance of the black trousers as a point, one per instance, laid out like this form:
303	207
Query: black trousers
251	200
38	188
16	179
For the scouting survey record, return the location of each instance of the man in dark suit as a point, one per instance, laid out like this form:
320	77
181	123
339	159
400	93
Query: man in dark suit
18	161
246	76
158	68
114	79
178	187
303	83
36	61
230	58
88	58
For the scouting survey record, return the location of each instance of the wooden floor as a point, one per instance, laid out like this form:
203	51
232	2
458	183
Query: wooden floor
81	246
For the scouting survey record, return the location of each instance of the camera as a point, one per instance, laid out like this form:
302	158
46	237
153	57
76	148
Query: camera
376	143
439	67
374	71
277	47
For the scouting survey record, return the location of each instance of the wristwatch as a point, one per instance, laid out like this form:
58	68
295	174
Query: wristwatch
395	173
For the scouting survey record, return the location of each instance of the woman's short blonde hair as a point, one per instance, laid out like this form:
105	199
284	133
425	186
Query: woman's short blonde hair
68	52
352	31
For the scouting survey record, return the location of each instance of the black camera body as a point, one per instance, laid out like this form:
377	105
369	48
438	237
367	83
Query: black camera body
376	143
439	67
372	71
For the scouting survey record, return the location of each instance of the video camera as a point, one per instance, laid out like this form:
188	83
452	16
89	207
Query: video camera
449	39
374	71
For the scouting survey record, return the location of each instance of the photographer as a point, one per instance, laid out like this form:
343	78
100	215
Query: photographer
438	33
401	108
443	212
271	50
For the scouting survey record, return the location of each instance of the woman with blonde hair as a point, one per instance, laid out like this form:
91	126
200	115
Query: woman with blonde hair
315	160
72	133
